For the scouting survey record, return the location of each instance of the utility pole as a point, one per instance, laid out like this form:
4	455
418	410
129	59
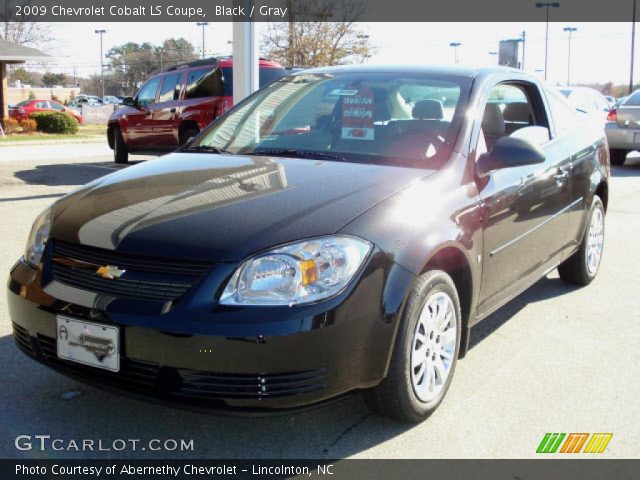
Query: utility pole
101	33
547	5
633	46
202	24
570	30
524	38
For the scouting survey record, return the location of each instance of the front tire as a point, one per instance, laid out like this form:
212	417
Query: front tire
425	352
120	151
617	157
582	267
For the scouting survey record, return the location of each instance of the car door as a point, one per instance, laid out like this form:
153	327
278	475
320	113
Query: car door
140	119
582	144
167	110
526	208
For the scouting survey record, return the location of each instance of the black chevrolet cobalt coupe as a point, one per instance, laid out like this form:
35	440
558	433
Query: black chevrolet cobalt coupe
339	231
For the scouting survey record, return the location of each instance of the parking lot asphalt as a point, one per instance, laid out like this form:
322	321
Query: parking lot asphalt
556	359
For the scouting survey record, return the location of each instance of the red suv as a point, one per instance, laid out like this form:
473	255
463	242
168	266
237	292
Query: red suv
176	104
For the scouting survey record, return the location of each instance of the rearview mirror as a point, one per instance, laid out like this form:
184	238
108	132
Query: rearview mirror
129	102
508	152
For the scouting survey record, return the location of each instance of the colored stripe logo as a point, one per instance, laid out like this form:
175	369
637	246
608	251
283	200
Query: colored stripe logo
574	442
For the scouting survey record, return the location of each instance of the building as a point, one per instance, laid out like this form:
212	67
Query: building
12	53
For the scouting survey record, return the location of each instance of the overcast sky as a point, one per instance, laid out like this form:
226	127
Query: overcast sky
600	52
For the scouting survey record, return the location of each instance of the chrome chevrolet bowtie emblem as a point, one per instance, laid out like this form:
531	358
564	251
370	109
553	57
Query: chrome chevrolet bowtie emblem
110	272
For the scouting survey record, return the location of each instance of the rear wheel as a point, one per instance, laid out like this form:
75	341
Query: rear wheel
582	267
425	352
617	156
120	151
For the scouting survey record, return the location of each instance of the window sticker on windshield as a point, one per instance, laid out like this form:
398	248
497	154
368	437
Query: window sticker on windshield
357	115
337	91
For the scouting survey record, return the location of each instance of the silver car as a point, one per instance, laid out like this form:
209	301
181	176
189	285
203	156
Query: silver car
623	128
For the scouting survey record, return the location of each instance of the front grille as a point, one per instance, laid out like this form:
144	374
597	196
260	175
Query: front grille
22	337
147	278
206	385
194	385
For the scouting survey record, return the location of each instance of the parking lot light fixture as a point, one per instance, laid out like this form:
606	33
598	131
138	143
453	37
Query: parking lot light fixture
101	33
493	53
455	46
569	30
202	24
547	6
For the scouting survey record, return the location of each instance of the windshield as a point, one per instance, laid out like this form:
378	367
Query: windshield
266	75
367	117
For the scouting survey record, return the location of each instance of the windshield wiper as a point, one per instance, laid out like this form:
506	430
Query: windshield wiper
207	148
292	152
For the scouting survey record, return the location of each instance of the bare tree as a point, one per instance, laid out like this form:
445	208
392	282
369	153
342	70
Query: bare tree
15	30
318	33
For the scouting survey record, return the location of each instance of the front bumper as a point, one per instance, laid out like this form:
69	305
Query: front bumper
250	360
622	138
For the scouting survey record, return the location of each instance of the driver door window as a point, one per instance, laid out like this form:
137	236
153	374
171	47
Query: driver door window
508	110
147	94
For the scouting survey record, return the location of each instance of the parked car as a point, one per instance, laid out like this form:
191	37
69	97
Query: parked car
177	104
26	108
328	235
589	102
111	100
610	100
90	99
623	128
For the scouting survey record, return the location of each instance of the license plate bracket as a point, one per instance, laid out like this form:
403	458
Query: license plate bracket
88	343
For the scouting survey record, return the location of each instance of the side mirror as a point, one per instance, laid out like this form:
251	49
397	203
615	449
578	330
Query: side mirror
129	101
508	152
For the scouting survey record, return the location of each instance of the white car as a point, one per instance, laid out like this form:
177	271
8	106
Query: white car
588	101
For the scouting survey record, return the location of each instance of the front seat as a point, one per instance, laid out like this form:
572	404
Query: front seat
492	124
517	115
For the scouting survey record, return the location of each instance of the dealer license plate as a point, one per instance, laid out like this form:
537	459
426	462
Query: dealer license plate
88	343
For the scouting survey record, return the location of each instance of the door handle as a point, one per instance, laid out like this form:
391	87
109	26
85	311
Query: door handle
561	176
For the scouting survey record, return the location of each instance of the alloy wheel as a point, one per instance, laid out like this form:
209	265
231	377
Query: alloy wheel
595	241
433	346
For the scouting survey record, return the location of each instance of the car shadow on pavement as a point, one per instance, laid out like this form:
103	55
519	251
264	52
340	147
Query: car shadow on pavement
631	167
544	289
68	174
34	403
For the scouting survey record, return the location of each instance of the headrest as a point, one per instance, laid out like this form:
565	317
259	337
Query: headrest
493	121
428	110
518	112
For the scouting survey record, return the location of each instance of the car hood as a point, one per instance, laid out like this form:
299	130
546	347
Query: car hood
222	207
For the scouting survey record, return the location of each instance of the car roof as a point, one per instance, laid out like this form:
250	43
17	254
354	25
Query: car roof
445	70
221	62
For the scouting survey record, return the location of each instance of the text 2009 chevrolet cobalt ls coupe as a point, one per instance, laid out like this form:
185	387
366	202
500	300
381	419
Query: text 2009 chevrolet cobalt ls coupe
340	230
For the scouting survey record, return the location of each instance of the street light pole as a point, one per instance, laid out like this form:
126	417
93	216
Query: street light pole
101	32
455	46
546	5
633	46
570	30
202	24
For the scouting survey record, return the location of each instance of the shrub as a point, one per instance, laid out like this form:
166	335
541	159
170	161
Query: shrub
10	125
32	96
29	125
55	122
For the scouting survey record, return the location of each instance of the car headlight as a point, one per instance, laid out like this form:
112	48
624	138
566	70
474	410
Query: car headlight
38	238
301	272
